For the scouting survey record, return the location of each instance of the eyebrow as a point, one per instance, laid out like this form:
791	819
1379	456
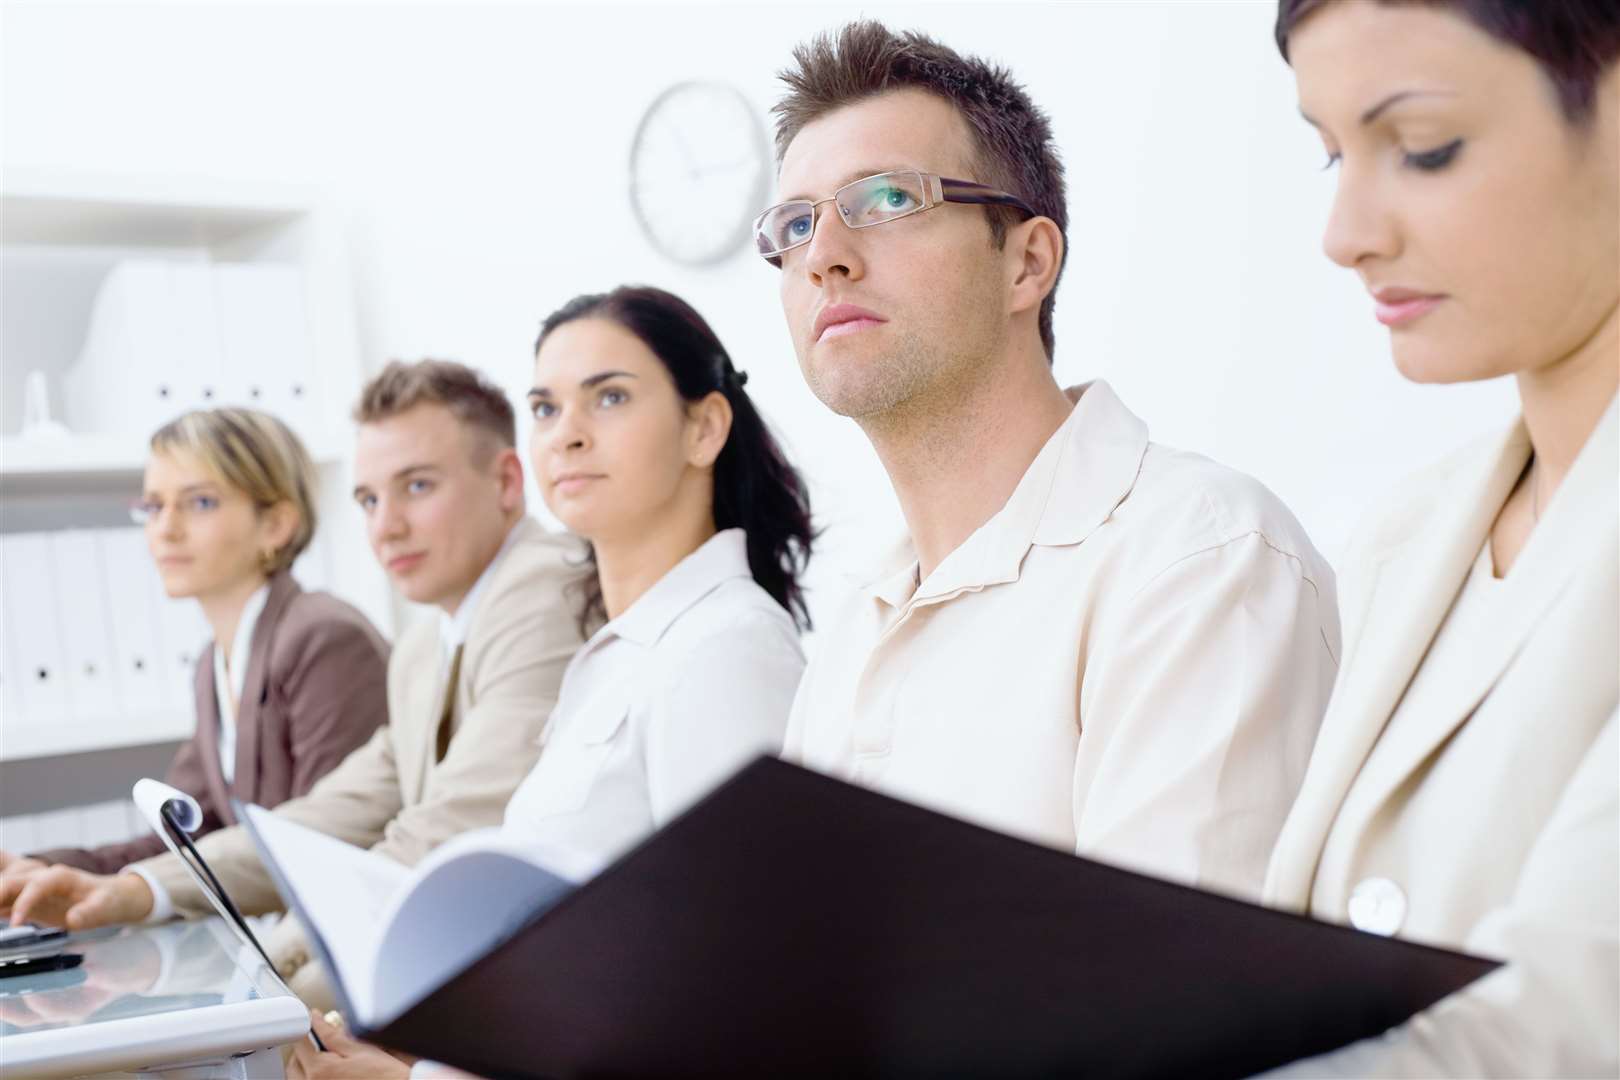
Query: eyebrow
1378	110
585	383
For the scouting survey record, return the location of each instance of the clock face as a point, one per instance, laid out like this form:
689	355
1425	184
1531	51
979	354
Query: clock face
699	172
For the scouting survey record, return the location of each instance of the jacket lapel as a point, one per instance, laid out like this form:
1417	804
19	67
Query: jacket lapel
207	734
1413	577
255	687
1542	572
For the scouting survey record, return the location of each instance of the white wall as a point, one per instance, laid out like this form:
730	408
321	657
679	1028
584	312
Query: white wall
480	158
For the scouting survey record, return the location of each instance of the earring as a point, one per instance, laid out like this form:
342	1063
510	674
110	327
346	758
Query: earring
267	561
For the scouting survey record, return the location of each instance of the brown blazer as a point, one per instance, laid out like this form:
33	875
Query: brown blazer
315	690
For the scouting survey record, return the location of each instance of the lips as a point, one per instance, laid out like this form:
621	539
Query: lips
571	482
839	319
1395	306
400	564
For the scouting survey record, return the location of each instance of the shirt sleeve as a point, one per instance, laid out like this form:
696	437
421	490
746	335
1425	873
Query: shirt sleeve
720	704
1550	1010
1200	701
162	902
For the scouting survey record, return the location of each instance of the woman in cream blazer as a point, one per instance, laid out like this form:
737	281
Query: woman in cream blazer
1463	790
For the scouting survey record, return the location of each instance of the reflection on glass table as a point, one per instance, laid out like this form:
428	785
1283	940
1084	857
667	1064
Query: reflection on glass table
144	997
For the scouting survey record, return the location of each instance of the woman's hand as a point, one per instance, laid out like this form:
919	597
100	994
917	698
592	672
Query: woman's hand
18	865
66	896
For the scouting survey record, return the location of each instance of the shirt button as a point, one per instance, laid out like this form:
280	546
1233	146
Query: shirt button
1378	906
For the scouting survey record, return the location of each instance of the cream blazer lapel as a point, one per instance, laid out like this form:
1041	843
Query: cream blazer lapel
415	719
1409	573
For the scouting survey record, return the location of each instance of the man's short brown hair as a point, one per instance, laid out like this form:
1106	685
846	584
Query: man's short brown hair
1012	138
469	395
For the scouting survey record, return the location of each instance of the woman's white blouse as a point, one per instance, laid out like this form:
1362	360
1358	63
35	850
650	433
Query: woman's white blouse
690	683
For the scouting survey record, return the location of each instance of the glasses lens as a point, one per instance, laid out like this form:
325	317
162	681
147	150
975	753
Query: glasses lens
881	198
783	227
140	512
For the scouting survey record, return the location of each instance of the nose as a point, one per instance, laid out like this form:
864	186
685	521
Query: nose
571	432
1360	226
834	249
169	522
387	521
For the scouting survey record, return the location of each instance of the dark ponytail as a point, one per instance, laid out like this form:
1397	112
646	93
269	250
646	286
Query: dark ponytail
756	489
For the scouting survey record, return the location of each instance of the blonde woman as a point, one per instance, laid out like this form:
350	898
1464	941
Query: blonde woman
1463	791
293	680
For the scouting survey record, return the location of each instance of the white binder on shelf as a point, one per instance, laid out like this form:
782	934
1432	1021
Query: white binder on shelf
267	350
185	635
10	676
127	378
138	647
199	343
80	586
35	628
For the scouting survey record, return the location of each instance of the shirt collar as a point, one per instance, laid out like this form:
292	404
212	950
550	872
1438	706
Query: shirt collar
453	629
241	646
1084	471
719	559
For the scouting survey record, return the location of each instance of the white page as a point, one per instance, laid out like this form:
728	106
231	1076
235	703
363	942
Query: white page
343	891
463	900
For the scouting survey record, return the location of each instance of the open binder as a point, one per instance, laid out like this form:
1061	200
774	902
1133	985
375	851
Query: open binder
790	923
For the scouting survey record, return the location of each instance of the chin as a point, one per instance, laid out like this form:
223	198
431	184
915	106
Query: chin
1435	364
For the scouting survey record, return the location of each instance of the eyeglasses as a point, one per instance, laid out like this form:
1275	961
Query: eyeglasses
146	511
875	200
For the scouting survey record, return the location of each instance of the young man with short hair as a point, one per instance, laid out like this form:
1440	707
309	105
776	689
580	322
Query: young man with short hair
1090	640
440	482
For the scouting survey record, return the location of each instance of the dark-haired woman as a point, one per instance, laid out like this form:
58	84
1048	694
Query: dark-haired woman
646	445
1463	791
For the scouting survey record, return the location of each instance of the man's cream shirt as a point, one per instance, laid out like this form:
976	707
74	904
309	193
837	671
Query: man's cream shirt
1129	661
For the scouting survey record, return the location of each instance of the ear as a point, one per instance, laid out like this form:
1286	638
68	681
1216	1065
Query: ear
508	471
708	425
279	524
1034	255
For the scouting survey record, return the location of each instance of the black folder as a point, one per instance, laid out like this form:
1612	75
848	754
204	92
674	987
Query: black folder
791	924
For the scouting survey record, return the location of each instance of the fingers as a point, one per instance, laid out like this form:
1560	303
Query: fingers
46	896
337	1040
10	889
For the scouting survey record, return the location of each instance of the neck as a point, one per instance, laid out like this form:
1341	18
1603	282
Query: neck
451	604
954	456
630	563
1564	401
223	610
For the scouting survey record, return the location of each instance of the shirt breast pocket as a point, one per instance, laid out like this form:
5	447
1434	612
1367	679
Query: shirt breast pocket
572	757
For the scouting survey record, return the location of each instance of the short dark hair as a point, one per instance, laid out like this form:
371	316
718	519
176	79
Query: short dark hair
1574	41
469	395
1012	137
756	488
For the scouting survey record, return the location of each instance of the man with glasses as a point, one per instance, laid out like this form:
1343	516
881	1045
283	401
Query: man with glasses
1090	640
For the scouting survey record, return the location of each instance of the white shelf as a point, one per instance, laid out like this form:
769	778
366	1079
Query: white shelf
43	207
36	740
96	455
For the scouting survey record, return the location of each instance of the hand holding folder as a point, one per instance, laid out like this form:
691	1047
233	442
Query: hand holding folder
792	924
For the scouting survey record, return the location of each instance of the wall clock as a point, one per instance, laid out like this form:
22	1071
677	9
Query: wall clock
700	169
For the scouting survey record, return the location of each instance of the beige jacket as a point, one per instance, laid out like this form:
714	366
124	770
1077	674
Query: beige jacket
390	795
1527	871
